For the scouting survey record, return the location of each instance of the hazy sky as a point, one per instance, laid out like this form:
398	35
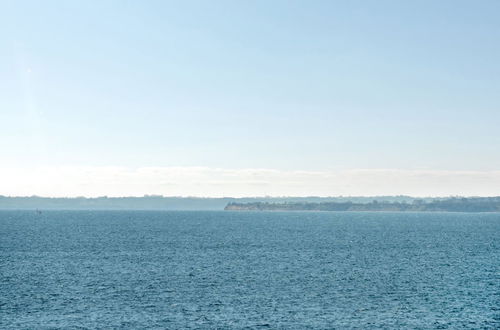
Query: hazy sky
107	90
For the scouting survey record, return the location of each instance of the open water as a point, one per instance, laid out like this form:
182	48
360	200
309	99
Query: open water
232	270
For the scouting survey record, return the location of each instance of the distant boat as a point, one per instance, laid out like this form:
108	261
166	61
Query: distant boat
38	211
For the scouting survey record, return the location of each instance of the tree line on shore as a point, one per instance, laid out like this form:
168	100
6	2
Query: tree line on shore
460	204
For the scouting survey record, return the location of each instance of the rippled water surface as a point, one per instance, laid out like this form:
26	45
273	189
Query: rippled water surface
135	269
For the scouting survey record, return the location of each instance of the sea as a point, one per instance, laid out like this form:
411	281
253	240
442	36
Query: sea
249	270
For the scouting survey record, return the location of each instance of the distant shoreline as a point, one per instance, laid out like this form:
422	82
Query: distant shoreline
311	203
476	204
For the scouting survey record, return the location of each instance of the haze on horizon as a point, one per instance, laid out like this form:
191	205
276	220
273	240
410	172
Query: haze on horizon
249	98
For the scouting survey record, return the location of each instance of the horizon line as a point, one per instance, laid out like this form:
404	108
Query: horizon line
253	196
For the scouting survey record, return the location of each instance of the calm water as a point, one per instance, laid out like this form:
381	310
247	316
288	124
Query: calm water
69	269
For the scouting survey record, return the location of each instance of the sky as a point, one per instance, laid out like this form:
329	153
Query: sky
249	98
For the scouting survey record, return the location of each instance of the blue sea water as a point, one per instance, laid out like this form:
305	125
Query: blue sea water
231	270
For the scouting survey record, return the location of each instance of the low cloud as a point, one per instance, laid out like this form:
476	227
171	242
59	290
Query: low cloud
217	182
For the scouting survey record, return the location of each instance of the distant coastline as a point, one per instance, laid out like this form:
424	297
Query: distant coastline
476	204
311	203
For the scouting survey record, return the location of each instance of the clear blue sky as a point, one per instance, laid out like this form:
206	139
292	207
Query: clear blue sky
287	85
